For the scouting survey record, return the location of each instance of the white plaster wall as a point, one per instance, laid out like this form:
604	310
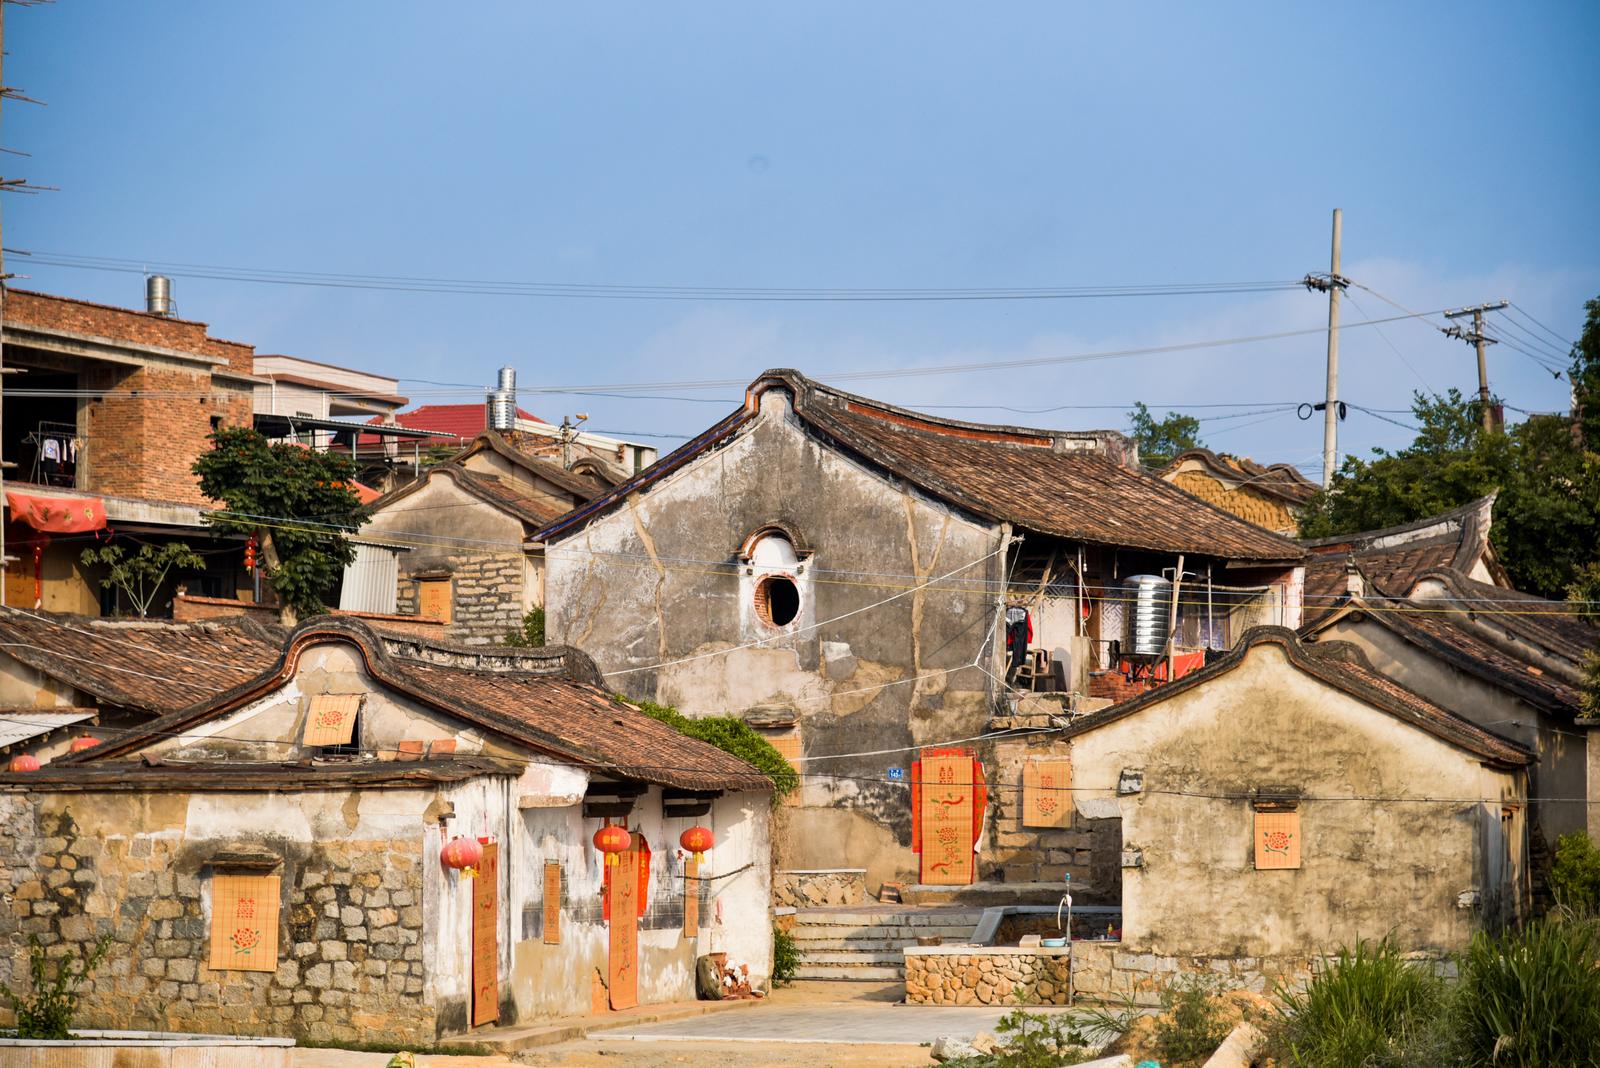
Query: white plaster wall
1369	868
542	980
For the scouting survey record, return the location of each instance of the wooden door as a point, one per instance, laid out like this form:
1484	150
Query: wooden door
486	938
622	899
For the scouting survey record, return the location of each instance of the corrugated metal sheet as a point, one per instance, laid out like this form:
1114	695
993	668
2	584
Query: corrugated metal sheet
371	580
20	724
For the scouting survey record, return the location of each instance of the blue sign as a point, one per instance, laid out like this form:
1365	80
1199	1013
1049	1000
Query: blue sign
897	774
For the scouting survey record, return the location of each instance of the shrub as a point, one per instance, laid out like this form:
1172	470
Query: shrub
1190	1027
1575	875
47	1013
1531	998
1031	1040
785	957
1365	1008
731	735
531	634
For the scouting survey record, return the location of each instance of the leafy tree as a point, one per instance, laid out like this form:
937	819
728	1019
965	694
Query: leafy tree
139	577
732	735
297	501
1159	441
1575	875
1547	517
531	634
1585	376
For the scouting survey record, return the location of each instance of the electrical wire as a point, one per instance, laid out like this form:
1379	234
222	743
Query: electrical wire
1567	343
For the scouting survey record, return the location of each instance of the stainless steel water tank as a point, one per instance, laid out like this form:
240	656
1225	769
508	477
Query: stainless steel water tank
1148	609
158	295
502	401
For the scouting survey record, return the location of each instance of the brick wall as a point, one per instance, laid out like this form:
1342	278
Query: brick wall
1115	686
350	961
44	312
1088	850
486	594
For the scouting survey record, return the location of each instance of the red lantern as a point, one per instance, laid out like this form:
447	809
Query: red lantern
697	840
250	553
463	854
24	762
611	841
80	744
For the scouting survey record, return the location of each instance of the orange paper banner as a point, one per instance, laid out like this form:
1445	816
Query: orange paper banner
331	719
485	938
244	923
1046	792
1277	840
552	903
622	967
691	896
946	800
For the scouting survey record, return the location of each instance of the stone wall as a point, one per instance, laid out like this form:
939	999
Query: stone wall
349	940
486	596
817	888
1089	850
1106	971
970	975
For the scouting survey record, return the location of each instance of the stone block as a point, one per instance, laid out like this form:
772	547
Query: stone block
333	950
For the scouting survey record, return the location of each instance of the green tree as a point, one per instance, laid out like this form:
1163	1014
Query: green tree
139	577
297	501
1585	376
1547	517
531	634
1159	441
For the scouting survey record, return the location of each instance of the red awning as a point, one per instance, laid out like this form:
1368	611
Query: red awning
57	515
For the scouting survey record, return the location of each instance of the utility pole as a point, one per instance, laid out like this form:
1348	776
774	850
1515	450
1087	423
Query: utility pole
1333	285
1476	337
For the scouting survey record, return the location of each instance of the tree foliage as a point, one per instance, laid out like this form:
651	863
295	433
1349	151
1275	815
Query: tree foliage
297	501
1585	376
1546	519
732	735
1160	440
531	634
139	577
46	1014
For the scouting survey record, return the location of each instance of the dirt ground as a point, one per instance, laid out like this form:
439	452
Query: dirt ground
744	1054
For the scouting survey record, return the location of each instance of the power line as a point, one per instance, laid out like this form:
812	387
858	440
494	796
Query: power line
1520	310
613	291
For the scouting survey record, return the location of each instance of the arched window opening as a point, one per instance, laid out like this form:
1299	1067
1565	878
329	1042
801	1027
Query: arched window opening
777	600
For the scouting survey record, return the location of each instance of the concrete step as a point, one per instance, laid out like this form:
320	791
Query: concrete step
889	956
903	934
860	973
864	945
867	918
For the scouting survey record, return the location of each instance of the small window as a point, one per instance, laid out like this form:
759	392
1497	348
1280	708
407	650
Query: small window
333	722
433	599
777	600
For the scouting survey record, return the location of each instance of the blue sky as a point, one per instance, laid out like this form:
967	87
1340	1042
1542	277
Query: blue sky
831	145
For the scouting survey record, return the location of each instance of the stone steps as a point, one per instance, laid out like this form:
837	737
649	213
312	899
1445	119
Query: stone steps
865	944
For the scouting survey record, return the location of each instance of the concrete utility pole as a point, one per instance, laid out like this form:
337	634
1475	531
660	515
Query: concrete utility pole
1333	285
1476	337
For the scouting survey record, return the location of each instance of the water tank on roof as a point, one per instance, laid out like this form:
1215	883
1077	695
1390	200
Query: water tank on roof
502	401
158	295
1149	610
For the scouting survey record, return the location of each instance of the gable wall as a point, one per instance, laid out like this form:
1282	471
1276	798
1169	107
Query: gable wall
1368	868
475	545
654	580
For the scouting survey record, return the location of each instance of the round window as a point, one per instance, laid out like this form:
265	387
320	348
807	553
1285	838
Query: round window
777	600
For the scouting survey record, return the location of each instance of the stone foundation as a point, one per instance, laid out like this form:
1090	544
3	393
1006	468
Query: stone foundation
350	963
819	887
972	975
1109	970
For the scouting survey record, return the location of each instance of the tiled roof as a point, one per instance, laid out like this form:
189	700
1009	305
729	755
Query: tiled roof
1392	559
1342	666
465	421
1274	480
548	699
1552	625
1053	482
506	496
582	486
68	776
1445	637
153	666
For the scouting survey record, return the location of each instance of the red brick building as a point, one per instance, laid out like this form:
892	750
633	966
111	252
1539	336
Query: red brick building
104	422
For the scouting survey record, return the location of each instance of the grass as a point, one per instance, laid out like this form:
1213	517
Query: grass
1368	1007
1528	998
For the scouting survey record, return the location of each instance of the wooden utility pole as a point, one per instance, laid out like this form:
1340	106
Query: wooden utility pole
1333	285
1477	337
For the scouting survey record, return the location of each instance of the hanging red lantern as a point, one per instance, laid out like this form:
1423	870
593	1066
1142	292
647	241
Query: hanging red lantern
80	744
463	854
250	553
24	762
612	841
697	840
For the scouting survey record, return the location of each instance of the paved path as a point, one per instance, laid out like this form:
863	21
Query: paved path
852	1023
